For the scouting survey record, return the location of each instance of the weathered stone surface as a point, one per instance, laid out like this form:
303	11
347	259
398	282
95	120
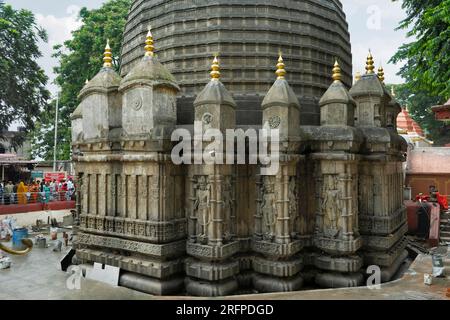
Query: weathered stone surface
339	280
275	250
212	253
282	269
148	285
377	243
267	284
211	289
385	258
170	250
150	267
211	271
340	264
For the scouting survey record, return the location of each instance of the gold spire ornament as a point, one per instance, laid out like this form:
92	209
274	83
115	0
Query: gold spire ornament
370	64
281	71
381	74
215	69
337	76
87	81
149	44
107	56
358	76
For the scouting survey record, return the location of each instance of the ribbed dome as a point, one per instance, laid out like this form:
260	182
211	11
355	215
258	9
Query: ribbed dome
248	36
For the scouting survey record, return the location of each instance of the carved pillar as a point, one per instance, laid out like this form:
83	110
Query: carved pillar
278	261
335	147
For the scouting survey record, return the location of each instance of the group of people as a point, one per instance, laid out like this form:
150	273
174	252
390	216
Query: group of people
36	191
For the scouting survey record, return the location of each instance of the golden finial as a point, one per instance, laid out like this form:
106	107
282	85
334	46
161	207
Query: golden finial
107	56
87	81
215	69
381	74
281	71
337	76
370	64
149	47
358	76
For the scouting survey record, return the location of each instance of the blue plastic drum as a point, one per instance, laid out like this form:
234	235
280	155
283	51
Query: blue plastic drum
18	235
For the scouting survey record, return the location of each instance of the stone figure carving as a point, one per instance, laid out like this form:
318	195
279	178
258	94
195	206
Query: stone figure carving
268	209
331	207
228	208
293	204
202	208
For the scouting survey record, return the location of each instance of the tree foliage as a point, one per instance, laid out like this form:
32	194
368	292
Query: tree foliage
80	58
427	60
22	81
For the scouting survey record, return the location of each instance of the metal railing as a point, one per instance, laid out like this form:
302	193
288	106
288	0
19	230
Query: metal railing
36	197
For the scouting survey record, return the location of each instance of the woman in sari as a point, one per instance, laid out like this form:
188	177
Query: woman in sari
22	193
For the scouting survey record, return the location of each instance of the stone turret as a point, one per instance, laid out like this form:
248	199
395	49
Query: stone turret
371	98
101	103
281	108
337	107
214	106
382	215
149	99
279	262
336	147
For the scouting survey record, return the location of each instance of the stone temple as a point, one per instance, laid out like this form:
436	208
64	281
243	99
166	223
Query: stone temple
335	206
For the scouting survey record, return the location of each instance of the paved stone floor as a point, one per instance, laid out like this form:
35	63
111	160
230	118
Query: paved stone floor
38	276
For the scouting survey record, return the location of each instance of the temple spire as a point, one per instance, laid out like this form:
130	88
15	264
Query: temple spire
107	56
358	76
393	91
281	71
381	74
215	69
149	43
337	76
370	64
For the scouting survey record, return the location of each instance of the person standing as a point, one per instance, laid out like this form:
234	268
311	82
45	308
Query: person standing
9	193
22	190
70	189
2	189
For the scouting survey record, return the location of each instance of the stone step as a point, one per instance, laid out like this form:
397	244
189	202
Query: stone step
445	234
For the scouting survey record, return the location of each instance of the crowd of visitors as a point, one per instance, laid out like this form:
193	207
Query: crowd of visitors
36	191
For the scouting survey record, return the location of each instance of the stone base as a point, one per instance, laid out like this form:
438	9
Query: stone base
211	289
338	264
339	280
152	286
275	250
337	246
245	280
282	269
381	243
211	271
149	267
385	259
267	284
388	273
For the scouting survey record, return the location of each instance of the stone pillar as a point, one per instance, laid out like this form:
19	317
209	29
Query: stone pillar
133	214
335	154
211	270
382	213
278	261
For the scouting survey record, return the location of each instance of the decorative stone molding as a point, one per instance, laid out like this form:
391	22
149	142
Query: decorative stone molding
275	250
171	250
212	253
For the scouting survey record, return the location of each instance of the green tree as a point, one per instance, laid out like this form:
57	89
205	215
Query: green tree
80	58
427	61
22	82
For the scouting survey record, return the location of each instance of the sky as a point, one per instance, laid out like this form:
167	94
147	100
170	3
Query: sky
372	26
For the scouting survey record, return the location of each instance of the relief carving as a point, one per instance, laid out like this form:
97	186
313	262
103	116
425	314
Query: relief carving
229	208
331	207
202	208
268	209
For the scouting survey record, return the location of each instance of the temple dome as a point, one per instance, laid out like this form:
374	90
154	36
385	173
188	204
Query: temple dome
248	36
